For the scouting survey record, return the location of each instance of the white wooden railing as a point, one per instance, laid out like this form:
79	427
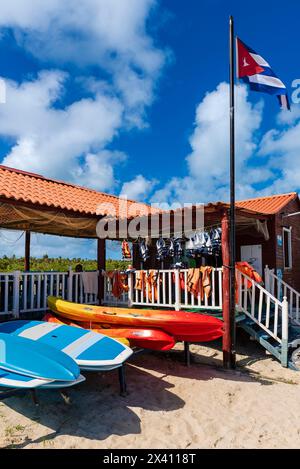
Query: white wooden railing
171	291
279	288
75	289
263	308
110	299
22	292
7	288
34	288
27	292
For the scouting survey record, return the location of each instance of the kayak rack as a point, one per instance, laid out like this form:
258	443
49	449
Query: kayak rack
187	353
122	380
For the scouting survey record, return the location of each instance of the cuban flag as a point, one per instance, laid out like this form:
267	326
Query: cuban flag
257	73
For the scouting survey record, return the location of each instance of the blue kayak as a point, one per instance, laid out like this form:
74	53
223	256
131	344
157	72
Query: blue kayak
90	350
35	359
8	379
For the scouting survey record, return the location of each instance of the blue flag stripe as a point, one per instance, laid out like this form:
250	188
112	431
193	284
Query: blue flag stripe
264	88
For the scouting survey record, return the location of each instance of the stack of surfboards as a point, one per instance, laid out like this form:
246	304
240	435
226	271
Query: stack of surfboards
46	355
26	364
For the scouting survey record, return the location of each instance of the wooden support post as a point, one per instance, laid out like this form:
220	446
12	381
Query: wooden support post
27	251
136	262
229	322
101	263
70	285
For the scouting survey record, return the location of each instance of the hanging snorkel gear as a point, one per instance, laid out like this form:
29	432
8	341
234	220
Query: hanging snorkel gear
143	250
208	244
178	247
171	248
190	248
216	241
162	250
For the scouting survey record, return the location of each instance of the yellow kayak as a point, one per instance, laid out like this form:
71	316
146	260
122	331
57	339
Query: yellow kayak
182	325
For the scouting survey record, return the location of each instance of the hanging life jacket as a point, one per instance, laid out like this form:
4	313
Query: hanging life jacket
126	250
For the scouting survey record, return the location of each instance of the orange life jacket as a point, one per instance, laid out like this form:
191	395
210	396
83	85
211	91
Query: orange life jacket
205	285
119	282
248	270
193	281
126	250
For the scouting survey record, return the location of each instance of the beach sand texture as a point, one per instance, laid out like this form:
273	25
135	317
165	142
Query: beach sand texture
168	406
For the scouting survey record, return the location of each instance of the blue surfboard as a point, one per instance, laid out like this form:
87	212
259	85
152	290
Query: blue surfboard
62	384
35	359
9	379
90	350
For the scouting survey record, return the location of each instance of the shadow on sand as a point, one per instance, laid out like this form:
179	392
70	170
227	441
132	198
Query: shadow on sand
90	415
205	367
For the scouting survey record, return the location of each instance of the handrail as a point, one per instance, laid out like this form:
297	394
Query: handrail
256	302
283	289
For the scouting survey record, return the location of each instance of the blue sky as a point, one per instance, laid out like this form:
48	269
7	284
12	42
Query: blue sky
130	96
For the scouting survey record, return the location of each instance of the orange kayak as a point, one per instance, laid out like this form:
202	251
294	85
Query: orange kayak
182	325
152	339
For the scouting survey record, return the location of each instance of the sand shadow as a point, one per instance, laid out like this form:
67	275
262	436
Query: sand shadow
205	367
95	420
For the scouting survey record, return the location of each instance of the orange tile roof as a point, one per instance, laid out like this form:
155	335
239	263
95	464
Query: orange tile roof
17	185
268	205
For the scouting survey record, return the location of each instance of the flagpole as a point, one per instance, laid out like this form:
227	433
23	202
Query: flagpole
230	359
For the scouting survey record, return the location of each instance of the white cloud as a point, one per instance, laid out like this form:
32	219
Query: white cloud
281	149
289	118
97	171
138	188
265	164
58	142
109	39
208	163
209	160
111	35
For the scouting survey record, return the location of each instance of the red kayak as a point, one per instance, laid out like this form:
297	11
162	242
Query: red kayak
152	339
182	325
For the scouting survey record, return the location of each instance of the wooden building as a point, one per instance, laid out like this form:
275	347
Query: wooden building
277	245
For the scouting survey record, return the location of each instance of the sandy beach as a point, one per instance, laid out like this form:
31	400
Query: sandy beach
168	406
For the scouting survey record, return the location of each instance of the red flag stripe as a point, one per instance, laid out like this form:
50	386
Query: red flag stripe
246	65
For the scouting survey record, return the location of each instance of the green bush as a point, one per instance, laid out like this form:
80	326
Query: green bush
46	264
